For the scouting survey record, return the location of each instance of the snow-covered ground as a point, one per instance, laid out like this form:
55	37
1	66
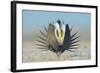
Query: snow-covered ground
37	55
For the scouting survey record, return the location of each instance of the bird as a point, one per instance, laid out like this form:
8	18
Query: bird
58	38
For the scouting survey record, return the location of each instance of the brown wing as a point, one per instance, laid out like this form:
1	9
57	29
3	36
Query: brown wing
52	41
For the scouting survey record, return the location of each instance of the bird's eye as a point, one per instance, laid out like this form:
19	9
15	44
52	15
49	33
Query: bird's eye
57	33
61	32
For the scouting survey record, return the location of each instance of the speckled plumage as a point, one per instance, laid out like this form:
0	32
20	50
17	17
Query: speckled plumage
48	41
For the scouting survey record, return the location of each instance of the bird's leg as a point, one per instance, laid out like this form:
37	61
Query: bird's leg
58	55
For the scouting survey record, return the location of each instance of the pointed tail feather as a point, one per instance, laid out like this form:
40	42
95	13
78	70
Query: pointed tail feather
42	42
73	42
74	45
70	50
74	48
42	38
45	28
43	34
42	48
41	45
73	35
75	38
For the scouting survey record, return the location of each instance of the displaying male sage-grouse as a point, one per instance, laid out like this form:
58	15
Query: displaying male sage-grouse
57	38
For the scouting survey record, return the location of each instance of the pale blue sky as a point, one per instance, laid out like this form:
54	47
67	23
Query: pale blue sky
32	20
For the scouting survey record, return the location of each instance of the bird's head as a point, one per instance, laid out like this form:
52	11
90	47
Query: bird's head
59	31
